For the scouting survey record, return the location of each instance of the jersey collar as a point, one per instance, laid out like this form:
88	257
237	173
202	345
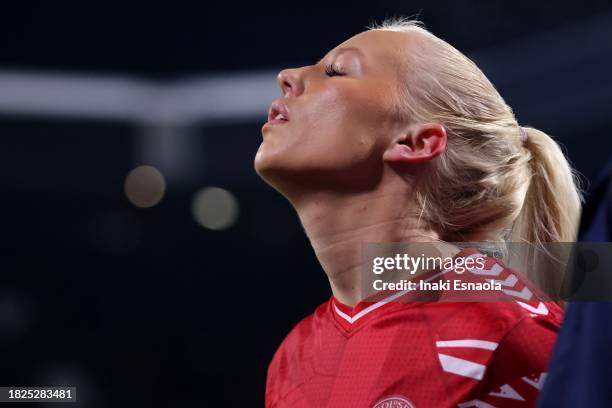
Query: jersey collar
350	318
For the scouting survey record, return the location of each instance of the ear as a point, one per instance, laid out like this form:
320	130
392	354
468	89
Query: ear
419	144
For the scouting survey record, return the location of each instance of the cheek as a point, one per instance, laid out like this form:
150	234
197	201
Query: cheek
347	116
321	117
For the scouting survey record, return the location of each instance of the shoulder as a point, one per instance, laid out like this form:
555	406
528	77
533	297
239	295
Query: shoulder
522	329
517	370
500	296
296	348
291	363
489	349
494	331
490	320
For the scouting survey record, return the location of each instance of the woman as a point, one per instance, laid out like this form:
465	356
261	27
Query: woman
395	136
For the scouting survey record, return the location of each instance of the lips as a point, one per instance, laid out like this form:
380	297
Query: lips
278	112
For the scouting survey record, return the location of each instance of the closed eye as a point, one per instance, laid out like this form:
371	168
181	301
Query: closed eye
331	70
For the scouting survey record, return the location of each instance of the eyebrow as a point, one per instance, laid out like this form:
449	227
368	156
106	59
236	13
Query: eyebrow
344	49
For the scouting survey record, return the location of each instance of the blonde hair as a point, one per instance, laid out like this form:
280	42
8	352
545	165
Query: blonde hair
487	185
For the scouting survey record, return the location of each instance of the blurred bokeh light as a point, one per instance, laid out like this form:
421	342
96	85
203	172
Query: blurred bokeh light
215	208
145	186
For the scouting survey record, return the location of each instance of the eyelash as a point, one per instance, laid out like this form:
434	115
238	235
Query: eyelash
331	70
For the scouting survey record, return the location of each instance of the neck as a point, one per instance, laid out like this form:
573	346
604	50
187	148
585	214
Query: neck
337	224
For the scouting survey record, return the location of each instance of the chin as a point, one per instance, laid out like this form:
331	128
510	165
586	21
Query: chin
279	173
264	160
268	165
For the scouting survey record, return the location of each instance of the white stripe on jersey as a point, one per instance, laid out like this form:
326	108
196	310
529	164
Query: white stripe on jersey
480	344
540	310
462	367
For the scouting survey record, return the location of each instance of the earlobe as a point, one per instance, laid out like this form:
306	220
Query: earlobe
421	144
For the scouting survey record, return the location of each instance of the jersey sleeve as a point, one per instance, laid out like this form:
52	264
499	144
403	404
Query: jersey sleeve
517	371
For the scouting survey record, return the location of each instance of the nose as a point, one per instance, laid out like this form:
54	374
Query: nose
290	82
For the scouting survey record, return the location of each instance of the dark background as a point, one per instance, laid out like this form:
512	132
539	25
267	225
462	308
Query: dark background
145	307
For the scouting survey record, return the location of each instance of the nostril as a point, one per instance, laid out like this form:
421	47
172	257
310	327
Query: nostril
286	87
288	81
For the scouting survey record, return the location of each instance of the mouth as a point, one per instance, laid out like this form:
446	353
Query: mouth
277	114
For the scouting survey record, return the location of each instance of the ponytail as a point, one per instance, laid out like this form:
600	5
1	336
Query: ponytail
550	213
551	209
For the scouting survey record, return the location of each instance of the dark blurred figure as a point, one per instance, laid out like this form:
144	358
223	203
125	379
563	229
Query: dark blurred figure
581	366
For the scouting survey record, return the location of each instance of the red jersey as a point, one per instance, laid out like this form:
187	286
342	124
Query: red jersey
396	354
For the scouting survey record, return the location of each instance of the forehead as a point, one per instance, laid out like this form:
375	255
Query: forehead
380	48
